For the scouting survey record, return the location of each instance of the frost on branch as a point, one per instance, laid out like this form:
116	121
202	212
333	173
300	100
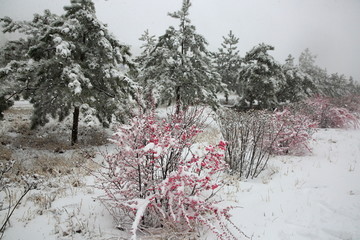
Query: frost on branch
156	179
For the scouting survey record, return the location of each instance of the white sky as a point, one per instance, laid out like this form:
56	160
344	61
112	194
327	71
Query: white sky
330	28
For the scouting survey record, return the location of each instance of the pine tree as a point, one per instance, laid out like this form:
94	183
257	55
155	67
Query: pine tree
228	63
353	86
337	85
179	67
260	79
318	75
332	85
149	44
9	53
297	86
74	62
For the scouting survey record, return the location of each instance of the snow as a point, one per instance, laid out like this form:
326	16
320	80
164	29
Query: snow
57	40
105	44
316	196
311	197
76	77
63	48
75	84
141	208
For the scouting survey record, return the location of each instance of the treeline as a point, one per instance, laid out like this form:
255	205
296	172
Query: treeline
261	82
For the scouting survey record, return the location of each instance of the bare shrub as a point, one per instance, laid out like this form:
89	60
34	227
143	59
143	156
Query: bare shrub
253	136
249	137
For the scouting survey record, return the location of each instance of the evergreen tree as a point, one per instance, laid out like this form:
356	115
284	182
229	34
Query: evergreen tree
337	85
74	62
260	79
297	86
10	55
318	75
353	86
149	44
228	63
179	67
333	85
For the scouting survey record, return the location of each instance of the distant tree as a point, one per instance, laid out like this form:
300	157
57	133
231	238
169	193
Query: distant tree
298	85
331	85
179	68
354	86
317	74
337	85
307	62
149	44
72	61
261	77
228	63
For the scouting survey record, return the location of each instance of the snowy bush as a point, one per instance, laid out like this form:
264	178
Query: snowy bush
293	131
328	115
159	179
342	118
350	102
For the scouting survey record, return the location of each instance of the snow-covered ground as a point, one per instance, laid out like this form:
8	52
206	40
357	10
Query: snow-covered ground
309	197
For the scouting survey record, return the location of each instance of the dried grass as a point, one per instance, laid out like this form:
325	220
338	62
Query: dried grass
5	153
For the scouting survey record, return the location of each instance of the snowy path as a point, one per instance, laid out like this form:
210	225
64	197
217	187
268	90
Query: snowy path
311	197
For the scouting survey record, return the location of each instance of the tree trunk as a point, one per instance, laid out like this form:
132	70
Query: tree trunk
74	132
177	96
226	98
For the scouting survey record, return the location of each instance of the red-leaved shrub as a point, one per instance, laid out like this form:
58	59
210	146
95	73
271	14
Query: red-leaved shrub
350	102
293	132
323	111
158	180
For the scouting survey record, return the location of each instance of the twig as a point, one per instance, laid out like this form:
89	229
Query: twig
13	209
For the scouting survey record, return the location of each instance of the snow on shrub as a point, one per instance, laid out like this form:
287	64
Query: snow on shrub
293	131
342	118
328	115
350	102
159	180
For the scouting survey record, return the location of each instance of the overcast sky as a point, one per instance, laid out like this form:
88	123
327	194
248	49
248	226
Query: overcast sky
329	28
